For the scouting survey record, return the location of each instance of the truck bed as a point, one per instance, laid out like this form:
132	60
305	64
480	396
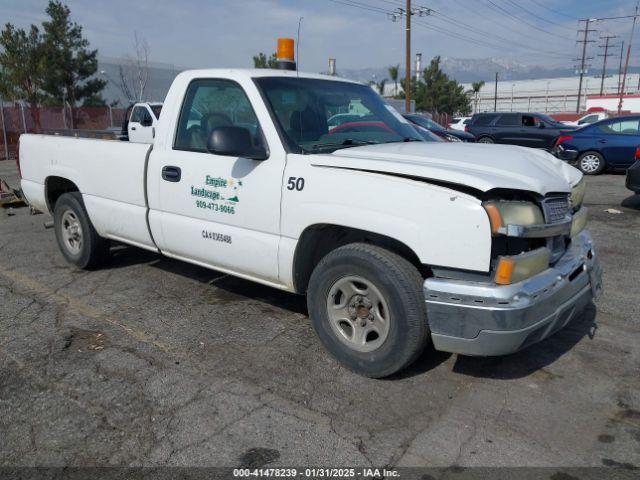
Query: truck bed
110	174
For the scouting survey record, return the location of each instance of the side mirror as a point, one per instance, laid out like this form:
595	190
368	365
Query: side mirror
146	122
234	142
541	125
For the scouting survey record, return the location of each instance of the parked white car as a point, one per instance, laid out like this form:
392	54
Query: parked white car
458	123
481	249
142	121
588	119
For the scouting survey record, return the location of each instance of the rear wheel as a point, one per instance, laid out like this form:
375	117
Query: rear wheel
367	306
591	163
485	140
78	241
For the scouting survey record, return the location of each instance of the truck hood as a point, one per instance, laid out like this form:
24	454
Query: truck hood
479	166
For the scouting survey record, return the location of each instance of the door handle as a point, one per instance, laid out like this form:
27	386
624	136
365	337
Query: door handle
171	174
133	128
602	140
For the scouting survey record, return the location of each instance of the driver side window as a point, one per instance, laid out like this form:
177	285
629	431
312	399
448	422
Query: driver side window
136	115
210	104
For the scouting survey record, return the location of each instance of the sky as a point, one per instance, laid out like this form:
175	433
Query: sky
358	33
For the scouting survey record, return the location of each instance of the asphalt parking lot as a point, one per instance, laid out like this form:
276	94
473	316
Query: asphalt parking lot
151	361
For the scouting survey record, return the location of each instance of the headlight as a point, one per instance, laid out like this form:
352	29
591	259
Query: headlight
516	268
503	213
579	221
577	194
451	138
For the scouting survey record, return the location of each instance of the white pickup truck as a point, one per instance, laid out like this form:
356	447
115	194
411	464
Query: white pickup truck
141	120
395	241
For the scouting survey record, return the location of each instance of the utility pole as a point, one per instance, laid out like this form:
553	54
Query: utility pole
584	42
408	13
620	67
407	76
495	95
604	59
626	63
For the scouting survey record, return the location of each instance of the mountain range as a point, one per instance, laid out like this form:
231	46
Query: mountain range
473	70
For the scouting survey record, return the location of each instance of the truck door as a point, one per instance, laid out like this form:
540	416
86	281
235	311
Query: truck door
214	210
140	127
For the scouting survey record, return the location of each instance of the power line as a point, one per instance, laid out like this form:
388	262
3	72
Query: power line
474	30
535	15
481	42
554	11
362	6
456	22
502	10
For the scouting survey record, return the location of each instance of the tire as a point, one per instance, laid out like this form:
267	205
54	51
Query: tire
485	140
591	163
78	241
382	291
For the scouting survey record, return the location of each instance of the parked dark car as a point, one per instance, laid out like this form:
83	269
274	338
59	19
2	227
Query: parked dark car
633	175
609	143
445	133
514	128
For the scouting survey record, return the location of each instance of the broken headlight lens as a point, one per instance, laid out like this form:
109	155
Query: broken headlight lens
577	194
503	213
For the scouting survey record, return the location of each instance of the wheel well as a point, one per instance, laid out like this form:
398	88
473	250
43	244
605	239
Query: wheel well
318	240
56	186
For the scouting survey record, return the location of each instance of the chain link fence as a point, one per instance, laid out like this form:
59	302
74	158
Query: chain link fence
17	119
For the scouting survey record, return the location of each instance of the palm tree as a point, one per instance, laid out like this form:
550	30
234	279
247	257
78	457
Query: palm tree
475	91
393	73
380	86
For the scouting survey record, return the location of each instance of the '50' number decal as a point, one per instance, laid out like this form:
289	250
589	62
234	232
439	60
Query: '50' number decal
295	183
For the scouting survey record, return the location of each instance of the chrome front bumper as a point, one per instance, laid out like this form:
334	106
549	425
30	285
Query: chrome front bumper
486	319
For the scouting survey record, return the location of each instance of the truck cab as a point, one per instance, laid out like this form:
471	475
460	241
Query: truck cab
141	120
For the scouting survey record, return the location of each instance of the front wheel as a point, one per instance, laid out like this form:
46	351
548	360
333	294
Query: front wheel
591	163
78	240
485	140
366	305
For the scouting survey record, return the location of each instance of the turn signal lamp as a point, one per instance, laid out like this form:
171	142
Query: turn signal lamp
520	267
285	54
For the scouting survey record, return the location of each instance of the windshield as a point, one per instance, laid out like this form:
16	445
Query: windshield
425	122
325	115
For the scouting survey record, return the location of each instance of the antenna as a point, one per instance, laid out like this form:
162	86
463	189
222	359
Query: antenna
298	46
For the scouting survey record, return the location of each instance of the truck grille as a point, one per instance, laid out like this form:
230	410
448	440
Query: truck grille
555	209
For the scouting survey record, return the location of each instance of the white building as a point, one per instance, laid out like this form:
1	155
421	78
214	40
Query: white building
548	95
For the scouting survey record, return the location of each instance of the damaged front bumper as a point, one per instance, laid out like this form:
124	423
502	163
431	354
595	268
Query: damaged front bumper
486	319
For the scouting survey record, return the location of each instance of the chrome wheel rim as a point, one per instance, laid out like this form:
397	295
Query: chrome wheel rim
358	313
485	140
71	232
590	163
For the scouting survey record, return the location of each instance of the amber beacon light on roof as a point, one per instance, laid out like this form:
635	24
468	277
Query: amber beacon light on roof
285	55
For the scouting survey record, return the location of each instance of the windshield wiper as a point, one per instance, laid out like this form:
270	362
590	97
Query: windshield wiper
349	142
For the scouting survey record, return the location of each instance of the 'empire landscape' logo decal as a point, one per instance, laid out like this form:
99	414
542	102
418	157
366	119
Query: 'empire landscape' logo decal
220	194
